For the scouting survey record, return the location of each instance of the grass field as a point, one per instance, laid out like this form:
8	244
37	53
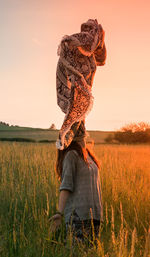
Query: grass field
44	134
29	195
34	134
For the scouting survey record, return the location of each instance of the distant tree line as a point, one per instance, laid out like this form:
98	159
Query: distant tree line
4	123
132	133
53	127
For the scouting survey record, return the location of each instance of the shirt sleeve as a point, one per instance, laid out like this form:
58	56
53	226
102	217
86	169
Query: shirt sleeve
68	173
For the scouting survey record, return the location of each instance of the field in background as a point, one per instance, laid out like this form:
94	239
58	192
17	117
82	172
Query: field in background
44	134
33	134
29	195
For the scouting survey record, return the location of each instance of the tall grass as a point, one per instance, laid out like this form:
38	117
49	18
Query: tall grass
29	192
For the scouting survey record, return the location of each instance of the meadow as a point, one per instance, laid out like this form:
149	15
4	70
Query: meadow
29	191
40	135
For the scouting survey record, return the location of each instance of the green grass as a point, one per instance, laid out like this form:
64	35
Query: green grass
99	136
29	192
35	134
13	133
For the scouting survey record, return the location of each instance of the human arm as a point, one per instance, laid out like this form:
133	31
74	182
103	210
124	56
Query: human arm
57	218
63	197
66	188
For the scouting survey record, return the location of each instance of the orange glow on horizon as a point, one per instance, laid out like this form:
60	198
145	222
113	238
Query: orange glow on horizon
31	32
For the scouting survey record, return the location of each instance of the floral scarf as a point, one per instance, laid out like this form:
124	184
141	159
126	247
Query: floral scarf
79	55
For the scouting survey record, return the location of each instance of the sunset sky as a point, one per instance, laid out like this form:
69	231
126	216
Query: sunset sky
30	31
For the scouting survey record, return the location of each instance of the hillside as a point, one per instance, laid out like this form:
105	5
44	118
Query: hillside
16	133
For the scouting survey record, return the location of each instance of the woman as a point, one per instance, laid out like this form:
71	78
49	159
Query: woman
80	191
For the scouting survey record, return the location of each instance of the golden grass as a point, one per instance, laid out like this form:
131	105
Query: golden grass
29	195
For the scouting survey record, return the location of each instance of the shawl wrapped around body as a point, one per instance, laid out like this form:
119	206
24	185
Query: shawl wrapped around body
79	55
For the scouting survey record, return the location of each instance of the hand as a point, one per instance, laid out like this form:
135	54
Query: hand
55	222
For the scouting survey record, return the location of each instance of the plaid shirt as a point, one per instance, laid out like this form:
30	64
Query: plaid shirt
83	181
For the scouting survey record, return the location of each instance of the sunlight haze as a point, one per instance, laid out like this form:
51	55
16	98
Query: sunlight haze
30	33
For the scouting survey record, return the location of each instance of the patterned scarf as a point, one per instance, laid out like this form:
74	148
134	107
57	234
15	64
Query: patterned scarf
79	54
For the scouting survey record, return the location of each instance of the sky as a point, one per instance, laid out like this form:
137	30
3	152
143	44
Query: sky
31	31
